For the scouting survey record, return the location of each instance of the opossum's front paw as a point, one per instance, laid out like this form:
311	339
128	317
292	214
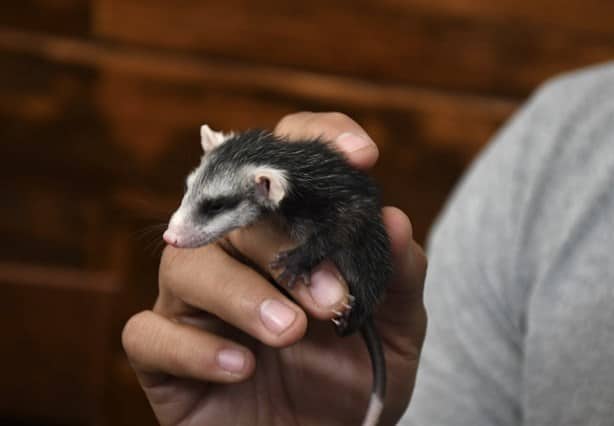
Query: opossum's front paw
293	268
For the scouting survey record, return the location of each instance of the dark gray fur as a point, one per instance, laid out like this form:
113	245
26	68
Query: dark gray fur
332	211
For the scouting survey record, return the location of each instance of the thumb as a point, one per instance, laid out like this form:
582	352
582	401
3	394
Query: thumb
401	316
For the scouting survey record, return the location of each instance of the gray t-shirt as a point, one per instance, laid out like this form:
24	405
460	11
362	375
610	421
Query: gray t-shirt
520	285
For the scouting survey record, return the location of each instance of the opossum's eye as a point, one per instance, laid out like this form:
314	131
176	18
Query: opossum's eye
215	207
218	205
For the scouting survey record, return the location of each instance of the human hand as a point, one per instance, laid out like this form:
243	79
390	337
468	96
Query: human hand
224	346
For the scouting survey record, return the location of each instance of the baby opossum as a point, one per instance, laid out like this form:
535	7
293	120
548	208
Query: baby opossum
329	209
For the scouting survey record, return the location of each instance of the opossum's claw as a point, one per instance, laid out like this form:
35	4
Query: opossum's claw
342	317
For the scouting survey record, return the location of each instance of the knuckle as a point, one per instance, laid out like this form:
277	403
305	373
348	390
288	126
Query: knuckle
133	331
234	243
337	118
289	121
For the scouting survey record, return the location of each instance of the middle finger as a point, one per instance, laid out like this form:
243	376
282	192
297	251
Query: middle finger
209	279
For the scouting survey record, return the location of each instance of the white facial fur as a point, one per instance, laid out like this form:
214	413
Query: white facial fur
188	227
185	232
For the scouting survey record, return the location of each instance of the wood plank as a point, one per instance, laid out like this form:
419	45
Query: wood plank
48	224
59	341
66	17
150	105
46	104
561	14
71	279
59	162
193	78
385	41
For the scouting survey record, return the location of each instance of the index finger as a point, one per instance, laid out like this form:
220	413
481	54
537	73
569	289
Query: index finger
346	135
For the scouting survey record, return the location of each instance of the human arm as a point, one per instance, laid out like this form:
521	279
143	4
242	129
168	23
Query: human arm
520	271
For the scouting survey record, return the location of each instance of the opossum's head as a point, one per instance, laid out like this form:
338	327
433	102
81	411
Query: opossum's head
222	194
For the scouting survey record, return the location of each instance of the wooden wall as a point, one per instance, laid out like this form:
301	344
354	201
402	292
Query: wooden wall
100	105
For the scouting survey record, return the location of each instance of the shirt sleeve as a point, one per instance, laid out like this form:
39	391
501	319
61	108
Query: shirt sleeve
507	273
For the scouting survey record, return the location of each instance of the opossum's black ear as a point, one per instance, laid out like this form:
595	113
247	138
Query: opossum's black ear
209	138
271	185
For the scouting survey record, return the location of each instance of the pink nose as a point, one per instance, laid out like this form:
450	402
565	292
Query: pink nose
171	238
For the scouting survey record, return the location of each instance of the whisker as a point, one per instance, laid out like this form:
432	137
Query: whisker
156	229
156	247
151	238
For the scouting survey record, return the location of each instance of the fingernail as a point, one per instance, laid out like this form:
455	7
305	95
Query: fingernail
325	288
276	316
231	360
350	142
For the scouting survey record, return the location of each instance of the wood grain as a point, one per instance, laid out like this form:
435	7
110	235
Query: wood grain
147	106
53	365
66	17
435	46
548	14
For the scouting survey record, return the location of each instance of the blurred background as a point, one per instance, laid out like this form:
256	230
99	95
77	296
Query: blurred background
100	107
